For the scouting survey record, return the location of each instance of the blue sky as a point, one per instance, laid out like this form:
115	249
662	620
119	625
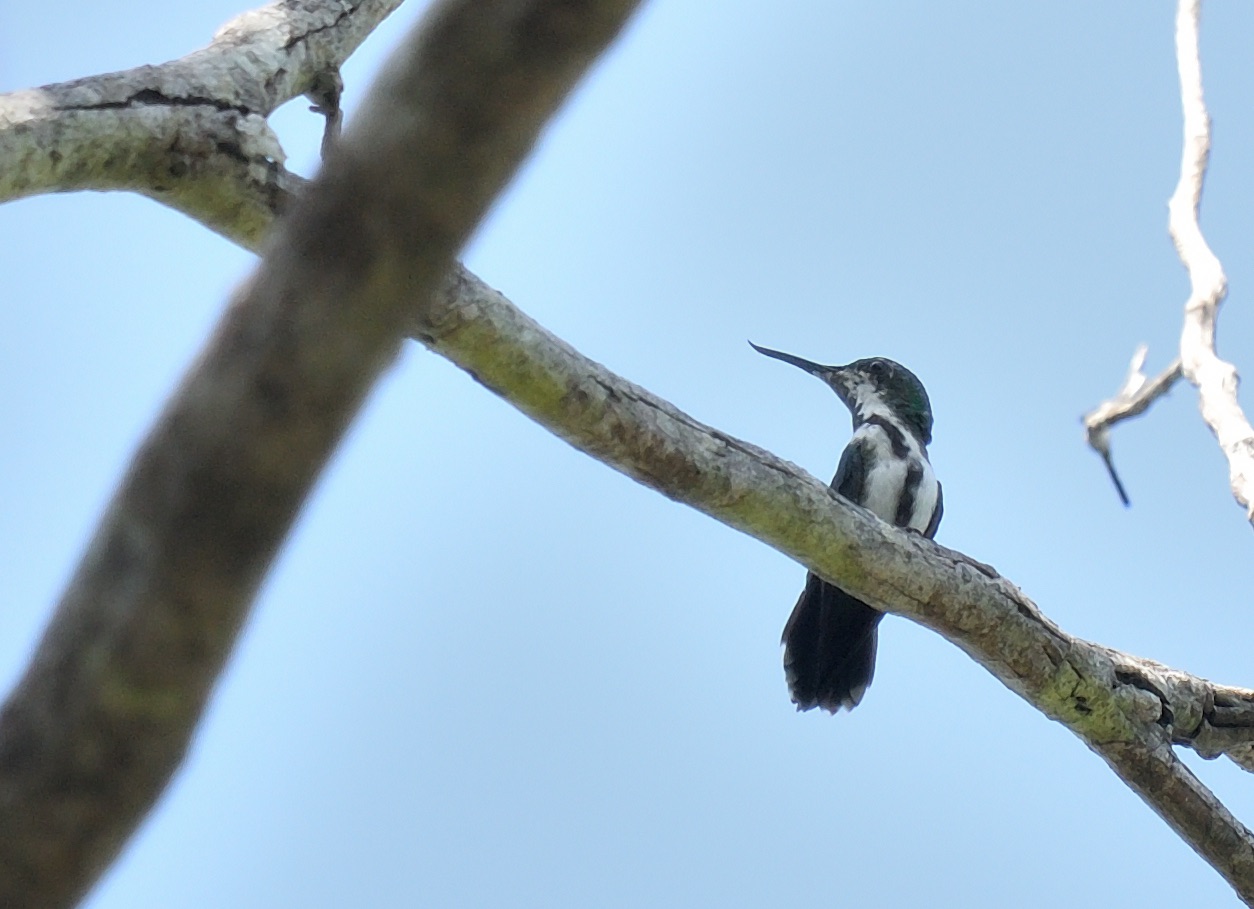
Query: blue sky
489	671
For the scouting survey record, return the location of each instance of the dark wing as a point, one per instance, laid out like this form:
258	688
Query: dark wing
850	479
936	513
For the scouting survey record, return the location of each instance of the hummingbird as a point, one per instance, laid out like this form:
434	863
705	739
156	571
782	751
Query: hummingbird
830	638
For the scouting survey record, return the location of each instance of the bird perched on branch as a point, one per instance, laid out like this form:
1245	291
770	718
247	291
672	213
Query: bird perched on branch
830	639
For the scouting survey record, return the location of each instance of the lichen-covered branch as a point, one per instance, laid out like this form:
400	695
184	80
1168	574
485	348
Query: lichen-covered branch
1129	710
102	716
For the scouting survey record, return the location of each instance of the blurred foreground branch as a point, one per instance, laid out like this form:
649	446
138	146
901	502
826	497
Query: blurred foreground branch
101	718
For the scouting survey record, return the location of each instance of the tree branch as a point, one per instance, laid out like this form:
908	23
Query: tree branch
128	661
1216	380
101	718
1134	398
191	133
1128	710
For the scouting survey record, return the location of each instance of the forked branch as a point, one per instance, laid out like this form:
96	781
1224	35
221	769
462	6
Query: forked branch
101	718
1215	379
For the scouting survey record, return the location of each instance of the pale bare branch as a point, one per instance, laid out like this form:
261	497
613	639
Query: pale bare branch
187	539
1216	379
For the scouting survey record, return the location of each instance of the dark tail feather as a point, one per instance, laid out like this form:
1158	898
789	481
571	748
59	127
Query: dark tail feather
829	647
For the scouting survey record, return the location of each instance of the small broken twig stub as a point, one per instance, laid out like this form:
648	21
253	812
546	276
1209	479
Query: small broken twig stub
1136	395
325	94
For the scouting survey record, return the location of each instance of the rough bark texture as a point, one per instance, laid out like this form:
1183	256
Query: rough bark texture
101	719
103	715
1128	710
191	133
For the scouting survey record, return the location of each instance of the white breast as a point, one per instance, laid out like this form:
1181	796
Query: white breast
887	476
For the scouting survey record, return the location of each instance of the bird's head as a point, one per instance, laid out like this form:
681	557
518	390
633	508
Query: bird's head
872	386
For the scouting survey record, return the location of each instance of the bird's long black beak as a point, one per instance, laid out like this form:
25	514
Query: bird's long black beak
814	369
